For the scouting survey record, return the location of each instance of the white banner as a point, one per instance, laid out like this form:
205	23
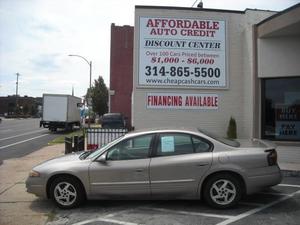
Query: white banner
181	101
177	52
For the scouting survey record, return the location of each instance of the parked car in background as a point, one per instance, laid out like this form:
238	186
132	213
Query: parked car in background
92	120
113	120
160	164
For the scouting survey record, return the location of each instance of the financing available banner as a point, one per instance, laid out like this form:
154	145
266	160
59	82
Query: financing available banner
179	52
181	101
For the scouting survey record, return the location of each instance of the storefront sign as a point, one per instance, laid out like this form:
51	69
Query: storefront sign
182	101
288	122
178	52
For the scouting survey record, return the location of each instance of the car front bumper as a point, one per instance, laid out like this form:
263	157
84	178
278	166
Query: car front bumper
37	186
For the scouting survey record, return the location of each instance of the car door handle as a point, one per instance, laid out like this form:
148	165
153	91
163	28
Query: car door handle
202	164
139	170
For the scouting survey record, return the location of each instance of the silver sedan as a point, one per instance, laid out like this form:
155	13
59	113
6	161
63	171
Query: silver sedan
160	164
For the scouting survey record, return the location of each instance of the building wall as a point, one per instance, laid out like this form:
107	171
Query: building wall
121	69
278	56
235	101
250	102
27	104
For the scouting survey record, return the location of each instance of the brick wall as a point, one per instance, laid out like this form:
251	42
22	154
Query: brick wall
121	69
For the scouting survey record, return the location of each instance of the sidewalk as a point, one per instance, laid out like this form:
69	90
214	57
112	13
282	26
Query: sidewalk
289	160
16	205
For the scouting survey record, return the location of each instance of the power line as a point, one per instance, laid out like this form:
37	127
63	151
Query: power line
194	3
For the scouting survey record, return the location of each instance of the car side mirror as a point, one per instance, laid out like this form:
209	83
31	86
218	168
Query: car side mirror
102	158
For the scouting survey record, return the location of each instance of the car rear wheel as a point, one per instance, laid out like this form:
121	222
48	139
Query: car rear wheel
222	191
66	192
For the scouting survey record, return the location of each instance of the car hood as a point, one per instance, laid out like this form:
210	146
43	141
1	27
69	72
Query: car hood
61	159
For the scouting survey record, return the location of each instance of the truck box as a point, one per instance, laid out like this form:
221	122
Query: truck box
60	111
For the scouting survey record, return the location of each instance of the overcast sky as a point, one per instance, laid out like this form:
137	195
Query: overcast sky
36	37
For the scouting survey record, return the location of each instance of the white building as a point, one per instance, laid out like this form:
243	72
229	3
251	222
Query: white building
199	67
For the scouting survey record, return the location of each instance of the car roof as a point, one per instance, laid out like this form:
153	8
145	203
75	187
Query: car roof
163	130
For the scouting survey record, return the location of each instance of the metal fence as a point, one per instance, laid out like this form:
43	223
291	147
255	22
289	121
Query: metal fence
74	144
97	137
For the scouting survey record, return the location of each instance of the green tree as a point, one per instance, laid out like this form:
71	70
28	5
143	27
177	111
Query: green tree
25	109
34	110
99	95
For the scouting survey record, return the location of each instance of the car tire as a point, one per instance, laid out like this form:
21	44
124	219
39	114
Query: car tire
222	191
67	192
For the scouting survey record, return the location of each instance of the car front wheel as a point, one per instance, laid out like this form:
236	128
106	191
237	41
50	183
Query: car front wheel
66	192
222	191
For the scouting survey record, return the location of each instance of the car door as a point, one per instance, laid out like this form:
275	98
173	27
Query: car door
125	169
179	163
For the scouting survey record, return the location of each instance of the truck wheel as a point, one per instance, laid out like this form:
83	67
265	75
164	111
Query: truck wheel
222	191
66	192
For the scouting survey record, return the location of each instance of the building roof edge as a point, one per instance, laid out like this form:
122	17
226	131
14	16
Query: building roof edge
278	14
189	8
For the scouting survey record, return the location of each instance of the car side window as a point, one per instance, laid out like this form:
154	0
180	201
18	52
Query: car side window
200	145
174	144
133	148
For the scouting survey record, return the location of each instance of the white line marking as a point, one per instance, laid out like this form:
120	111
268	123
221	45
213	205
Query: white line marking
289	185
86	221
105	220
116	221
253	211
20	142
19	135
189	213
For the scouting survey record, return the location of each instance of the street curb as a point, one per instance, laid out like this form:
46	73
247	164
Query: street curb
290	173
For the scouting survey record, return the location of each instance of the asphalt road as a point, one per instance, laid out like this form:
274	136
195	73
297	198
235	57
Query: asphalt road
19	137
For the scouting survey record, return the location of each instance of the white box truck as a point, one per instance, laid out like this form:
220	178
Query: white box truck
60	111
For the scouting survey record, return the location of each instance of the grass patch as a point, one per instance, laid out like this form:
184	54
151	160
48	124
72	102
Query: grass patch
51	216
61	138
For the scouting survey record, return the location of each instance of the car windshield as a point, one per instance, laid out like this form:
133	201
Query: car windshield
226	141
92	154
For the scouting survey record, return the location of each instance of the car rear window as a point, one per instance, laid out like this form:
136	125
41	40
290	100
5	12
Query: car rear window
226	141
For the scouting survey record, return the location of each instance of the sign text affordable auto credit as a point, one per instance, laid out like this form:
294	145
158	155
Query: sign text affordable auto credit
182	52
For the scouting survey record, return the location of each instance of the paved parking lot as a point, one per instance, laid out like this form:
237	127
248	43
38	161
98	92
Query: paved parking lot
277	205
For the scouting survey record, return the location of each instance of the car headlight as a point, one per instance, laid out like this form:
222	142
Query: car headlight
34	173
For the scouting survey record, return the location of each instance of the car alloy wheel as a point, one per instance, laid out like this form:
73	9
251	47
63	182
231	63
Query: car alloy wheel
65	193
222	191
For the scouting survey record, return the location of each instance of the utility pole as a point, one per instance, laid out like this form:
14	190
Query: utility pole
17	87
